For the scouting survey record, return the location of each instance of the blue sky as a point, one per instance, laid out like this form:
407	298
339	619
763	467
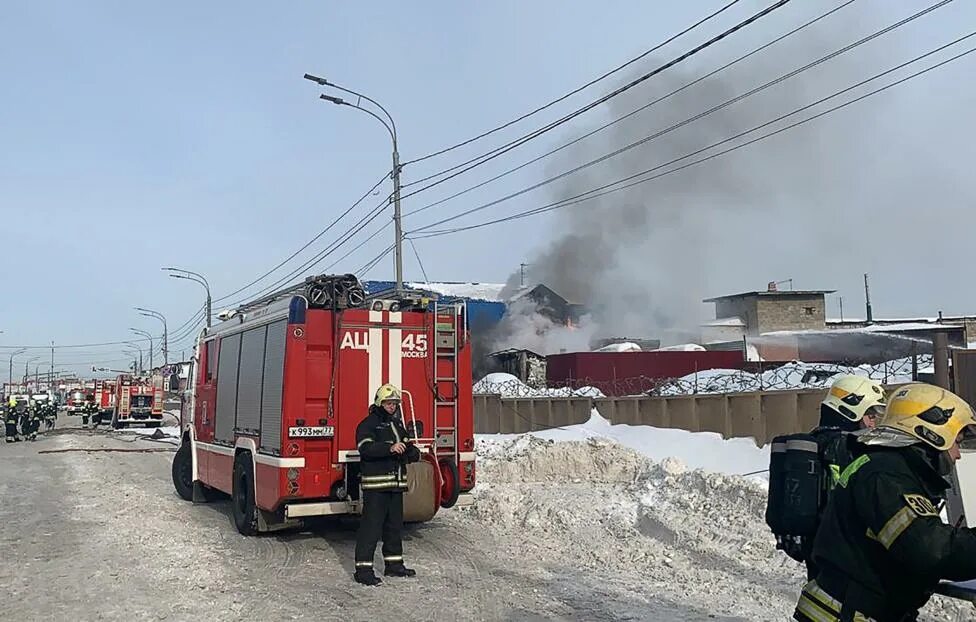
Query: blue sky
138	135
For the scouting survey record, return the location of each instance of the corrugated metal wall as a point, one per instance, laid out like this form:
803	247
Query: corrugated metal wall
760	416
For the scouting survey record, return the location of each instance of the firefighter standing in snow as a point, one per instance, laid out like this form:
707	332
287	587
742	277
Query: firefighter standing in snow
384	451
853	403
882	547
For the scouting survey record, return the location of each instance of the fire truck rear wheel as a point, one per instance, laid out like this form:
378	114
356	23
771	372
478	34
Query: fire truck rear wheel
183	472
450	483
245	510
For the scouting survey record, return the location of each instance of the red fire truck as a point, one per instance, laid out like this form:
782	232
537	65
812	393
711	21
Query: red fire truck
137	400
75	403
280	386
105	397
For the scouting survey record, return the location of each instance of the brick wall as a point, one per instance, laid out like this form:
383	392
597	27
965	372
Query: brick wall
786	312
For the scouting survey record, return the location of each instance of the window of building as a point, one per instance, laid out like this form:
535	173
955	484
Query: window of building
808	310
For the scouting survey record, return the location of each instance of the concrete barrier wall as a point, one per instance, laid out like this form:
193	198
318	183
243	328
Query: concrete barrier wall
760	416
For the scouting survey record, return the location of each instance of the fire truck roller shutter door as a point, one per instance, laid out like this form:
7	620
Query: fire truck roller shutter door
227	368
249	385
271	392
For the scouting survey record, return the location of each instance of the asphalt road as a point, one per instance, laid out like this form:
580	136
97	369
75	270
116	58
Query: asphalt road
103	536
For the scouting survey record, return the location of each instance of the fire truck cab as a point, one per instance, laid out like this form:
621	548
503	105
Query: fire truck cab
137	400
280	386
75	403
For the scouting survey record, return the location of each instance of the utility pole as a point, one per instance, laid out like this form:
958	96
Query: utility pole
50	380
841	308
522	274
867	299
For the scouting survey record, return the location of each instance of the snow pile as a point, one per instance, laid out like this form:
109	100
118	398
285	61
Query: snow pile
695	537
697	450
655	529
795	375
507	385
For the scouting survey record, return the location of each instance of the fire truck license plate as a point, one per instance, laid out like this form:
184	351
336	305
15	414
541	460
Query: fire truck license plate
311	431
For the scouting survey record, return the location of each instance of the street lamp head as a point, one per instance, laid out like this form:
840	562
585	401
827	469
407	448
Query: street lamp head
317	80
334	100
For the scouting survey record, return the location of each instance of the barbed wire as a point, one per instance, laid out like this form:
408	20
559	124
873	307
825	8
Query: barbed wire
790	376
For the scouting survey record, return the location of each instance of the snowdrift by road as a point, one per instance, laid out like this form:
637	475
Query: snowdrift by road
656	530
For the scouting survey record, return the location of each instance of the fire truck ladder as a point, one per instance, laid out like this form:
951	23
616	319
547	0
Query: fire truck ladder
446	329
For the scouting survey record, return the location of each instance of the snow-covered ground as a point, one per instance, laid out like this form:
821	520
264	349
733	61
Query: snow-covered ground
665	512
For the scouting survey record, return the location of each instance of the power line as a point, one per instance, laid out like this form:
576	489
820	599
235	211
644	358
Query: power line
307	244
574	91
498	151
692	119
632	113
370	264
583	196
419	262
358	246
316	259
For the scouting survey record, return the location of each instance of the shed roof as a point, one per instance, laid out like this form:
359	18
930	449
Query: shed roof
785	293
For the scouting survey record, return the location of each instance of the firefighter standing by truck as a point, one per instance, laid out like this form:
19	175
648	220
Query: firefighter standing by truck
882	547
384	451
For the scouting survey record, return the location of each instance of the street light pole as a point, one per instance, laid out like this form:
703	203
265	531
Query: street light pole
391	128
189	276
148	336
10	379
159	316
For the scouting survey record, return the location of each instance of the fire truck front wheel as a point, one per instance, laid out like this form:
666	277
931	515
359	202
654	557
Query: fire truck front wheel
183	472
245	510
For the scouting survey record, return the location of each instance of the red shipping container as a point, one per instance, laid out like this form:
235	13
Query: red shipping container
629	373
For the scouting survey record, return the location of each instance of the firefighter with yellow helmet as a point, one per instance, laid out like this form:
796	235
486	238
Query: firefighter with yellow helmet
803	468
385	448
882	547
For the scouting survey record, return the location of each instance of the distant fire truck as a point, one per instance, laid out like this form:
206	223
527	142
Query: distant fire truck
280	386
77	398
105	398
137	400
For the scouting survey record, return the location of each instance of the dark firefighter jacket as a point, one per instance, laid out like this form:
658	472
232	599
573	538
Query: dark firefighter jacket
881	546
383	470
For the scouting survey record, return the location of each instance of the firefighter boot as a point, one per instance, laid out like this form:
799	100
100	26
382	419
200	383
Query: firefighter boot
366	577
399	570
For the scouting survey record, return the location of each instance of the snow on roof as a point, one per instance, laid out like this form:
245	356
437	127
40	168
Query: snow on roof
474	291
625	346
726	321
489	292
683	347
874	328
